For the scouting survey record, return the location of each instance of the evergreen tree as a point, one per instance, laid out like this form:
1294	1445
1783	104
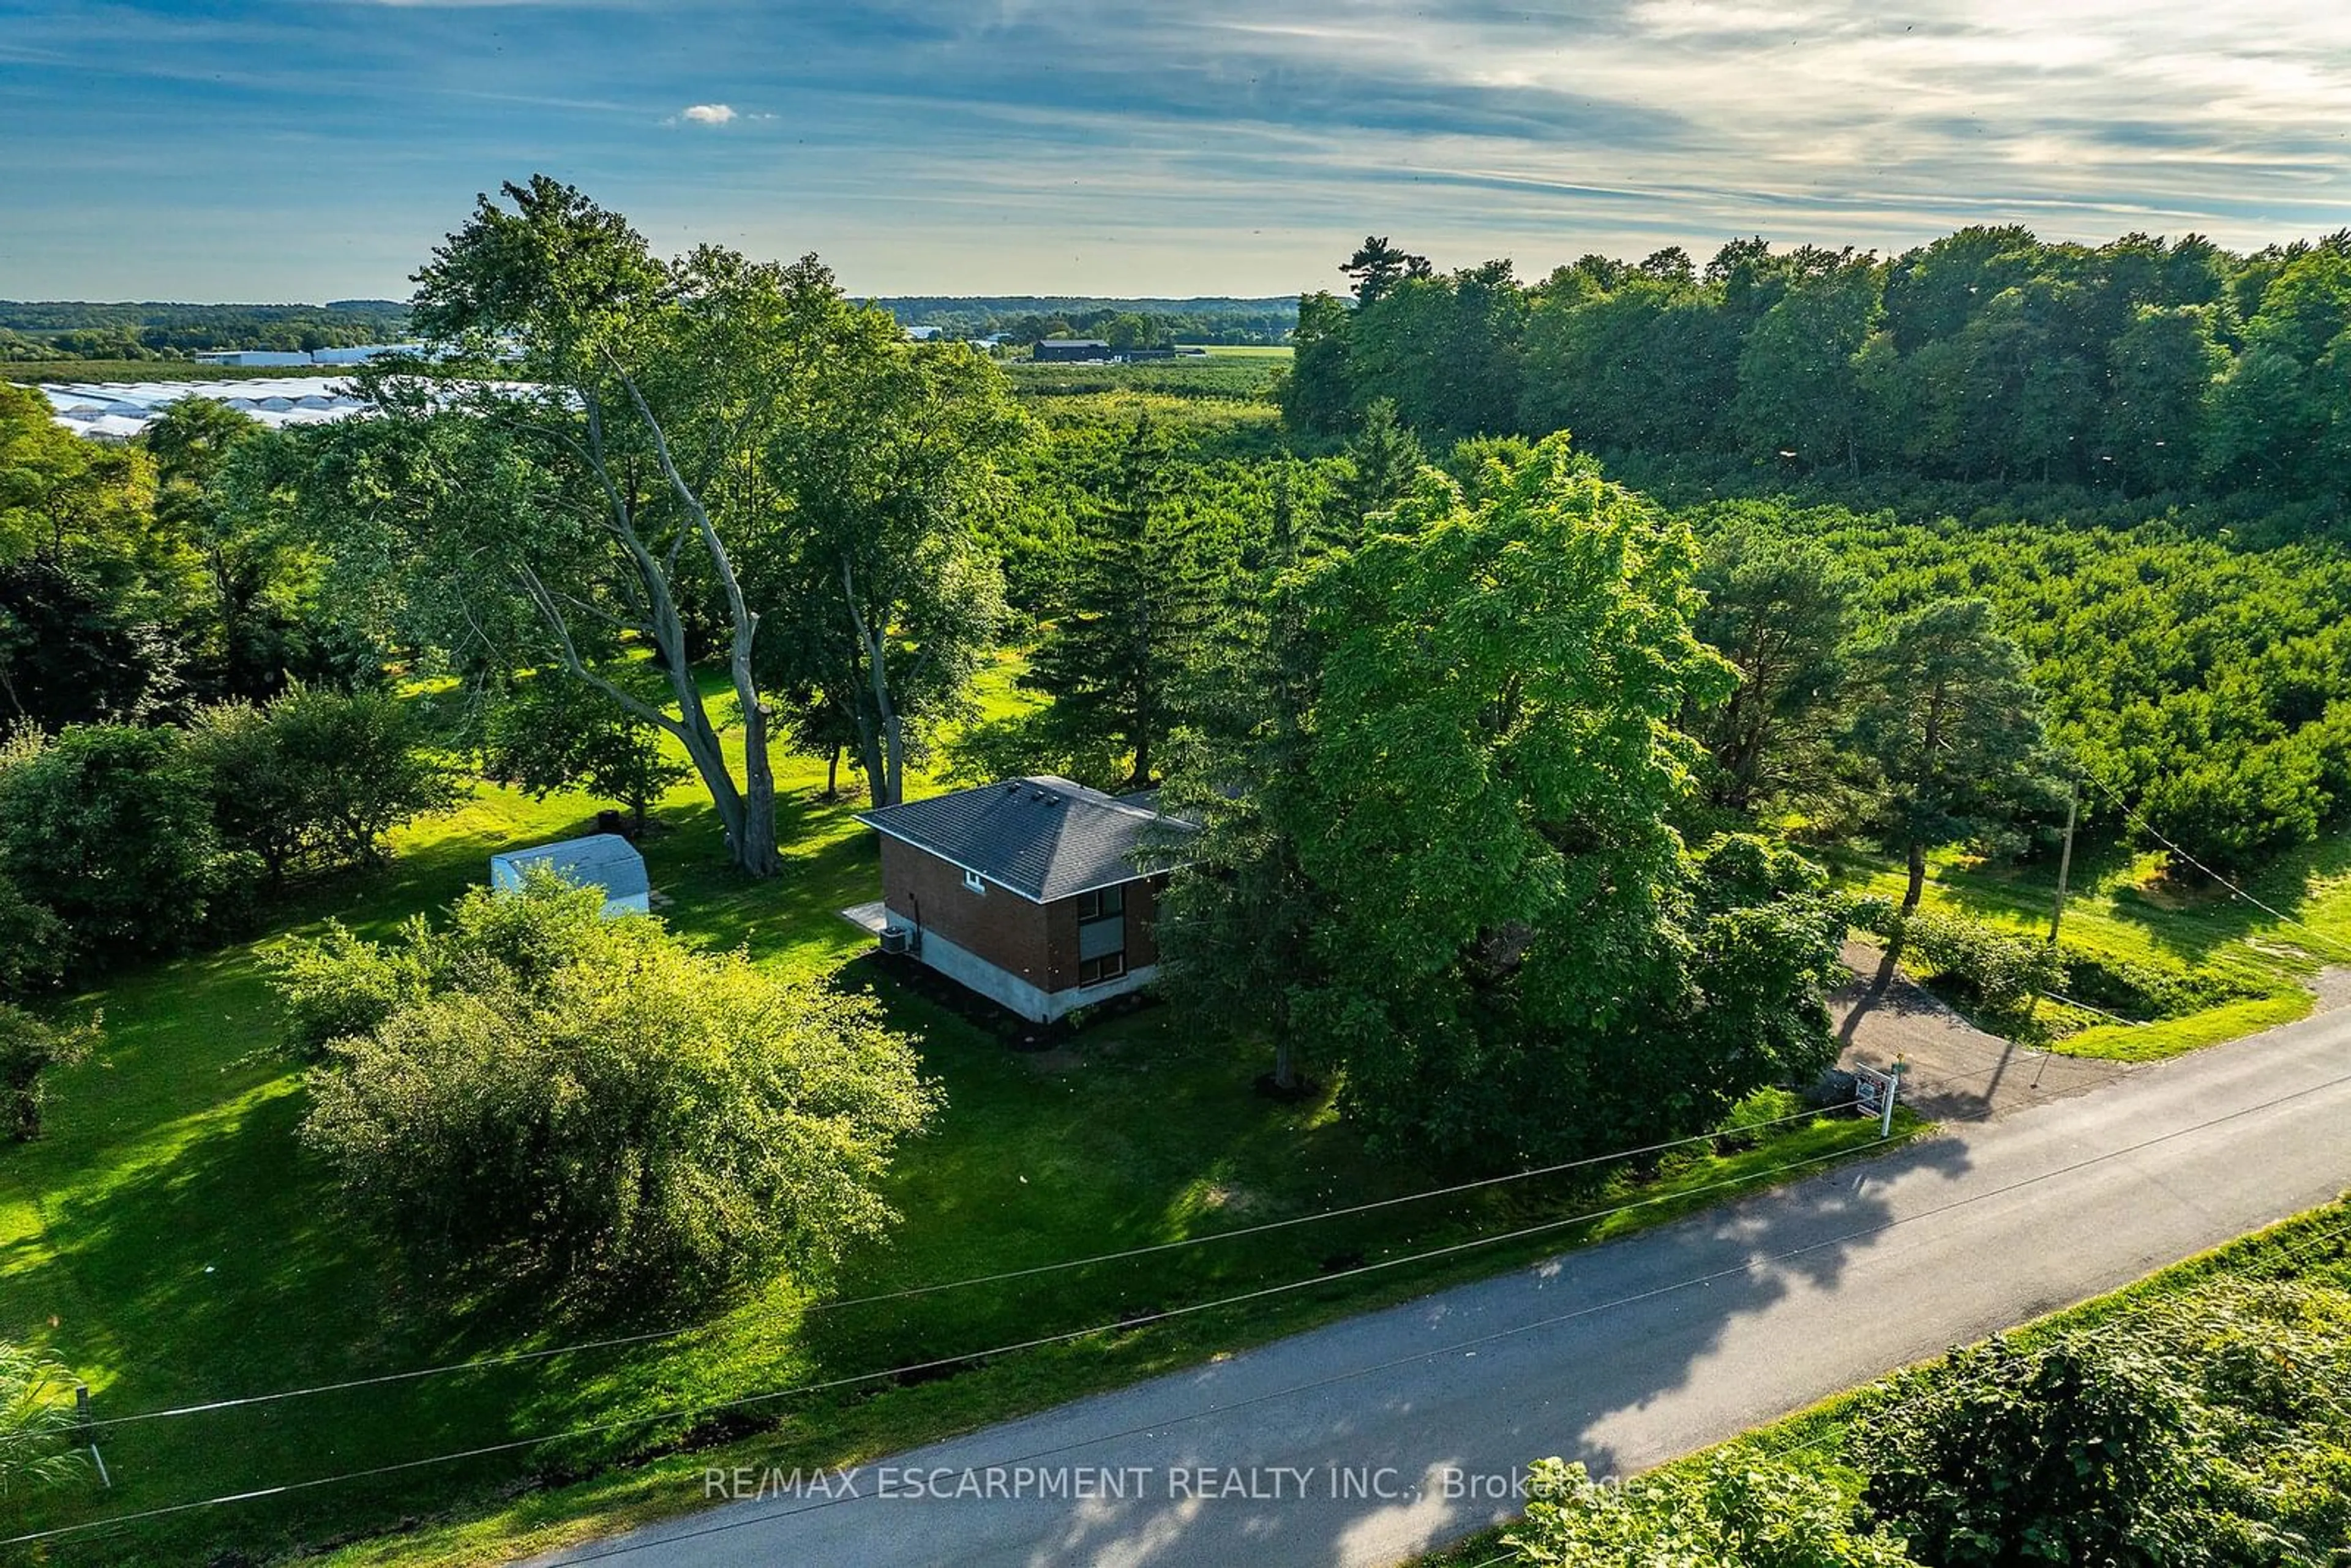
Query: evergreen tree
1378	266
1138	602
1948	719
1779	610
1383	458
1236	930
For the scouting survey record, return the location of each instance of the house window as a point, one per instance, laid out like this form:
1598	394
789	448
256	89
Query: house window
975	881
1102	934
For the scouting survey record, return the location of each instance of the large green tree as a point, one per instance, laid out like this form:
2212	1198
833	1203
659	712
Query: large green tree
534	1086
1798	388
1238	929
1945	714
1114	661
610	451
1780	611
547	734
550	485
886	465
1507	933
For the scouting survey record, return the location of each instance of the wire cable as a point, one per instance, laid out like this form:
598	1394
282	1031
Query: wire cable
624	1547
651	1335
1745	1266
936	1362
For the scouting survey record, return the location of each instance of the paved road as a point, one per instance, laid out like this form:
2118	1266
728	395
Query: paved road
1624	1355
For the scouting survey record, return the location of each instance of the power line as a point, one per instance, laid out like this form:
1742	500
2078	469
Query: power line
1743	1267
517	1357
1040	1341
622	1548
2148	827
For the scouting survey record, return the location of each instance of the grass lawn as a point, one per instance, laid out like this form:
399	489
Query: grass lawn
2121	911
170	1241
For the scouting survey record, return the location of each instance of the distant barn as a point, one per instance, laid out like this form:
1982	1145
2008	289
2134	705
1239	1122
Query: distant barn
1072	349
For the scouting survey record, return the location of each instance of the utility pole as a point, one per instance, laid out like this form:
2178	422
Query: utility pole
2064	861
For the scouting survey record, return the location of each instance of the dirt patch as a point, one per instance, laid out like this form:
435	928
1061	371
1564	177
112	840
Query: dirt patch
1059	1058
1219	1199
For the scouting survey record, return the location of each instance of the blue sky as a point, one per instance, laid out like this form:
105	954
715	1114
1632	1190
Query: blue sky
272	149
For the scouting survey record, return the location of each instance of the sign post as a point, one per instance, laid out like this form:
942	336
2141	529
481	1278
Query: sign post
1876	1092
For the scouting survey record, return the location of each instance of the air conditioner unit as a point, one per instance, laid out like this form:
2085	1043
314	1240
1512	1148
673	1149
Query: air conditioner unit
897	939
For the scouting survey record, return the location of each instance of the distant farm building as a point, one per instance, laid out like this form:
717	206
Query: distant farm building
603	860
357	354
1072	350
1038	893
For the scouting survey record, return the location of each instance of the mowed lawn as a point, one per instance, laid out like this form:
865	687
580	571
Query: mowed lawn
171	1241
2120	908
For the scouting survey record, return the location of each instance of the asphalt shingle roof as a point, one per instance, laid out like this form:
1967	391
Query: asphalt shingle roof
1044	838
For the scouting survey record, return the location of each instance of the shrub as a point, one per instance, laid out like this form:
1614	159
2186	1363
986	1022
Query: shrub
29	1048
33	1419
340	987
110	829
2002	1456
590	1102
1730	1510
2001	970
316	777
32	943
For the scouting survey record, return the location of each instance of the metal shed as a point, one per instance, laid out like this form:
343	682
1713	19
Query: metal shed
605	860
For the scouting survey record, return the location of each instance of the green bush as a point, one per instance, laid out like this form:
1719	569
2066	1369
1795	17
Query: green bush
540	1091
2002	1456
315	778
1729	1510
1999	970
109	828
29	1047
35	1418
32	943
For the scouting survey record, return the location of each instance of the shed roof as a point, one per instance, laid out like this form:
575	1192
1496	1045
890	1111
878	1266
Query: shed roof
1041	837
605	860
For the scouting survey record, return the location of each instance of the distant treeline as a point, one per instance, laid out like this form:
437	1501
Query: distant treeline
2144	365
74	330
1124	323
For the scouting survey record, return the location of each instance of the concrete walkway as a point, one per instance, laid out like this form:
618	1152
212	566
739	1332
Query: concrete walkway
1363	1442
1955	1071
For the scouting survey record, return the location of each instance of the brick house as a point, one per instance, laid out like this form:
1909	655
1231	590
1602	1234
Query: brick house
1030	892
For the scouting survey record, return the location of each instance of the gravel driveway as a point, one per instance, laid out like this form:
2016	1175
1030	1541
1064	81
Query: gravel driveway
1954	1069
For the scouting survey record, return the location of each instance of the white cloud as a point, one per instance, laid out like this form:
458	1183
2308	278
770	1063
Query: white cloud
707	114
